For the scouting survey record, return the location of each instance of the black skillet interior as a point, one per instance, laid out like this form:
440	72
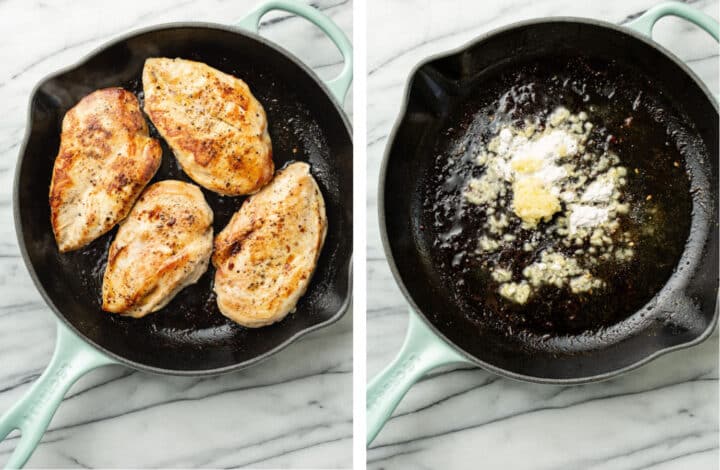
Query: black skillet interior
190	335
451	103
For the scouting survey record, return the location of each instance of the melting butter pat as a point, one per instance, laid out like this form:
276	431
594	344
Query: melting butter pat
533	201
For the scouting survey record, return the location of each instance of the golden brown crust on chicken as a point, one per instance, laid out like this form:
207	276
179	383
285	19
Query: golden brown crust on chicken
163	246
214	125
105	160
266	255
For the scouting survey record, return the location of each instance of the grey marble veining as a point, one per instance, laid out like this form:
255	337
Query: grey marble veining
662	416
294	410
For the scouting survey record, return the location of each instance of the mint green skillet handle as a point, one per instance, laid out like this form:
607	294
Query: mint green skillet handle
644	24
339	85
421	352
32	414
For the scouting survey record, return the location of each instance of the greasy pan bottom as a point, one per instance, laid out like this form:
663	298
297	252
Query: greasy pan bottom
190	335
665	300
649	146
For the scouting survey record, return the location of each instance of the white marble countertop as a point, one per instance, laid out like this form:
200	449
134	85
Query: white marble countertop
294	410
662	416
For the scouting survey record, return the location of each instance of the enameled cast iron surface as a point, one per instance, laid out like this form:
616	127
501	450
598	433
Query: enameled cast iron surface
682	313
189	335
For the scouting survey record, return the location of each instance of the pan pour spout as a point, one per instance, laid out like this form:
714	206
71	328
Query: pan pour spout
537	312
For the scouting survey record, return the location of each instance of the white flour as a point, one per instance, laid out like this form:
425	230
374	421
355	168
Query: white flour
599	190
586	216
543	152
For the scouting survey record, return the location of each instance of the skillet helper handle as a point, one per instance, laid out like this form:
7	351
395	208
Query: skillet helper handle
421	352
645	23
339	85
32	414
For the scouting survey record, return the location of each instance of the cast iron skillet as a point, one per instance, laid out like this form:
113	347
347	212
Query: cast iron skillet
442	95
189	336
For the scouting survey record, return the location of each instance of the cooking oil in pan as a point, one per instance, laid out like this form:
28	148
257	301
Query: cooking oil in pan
631	122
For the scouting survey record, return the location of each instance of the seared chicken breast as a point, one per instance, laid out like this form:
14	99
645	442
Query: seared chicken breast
163	246
213	123
268	252
105	160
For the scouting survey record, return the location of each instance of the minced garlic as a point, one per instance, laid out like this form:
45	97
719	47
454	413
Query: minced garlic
501	275
584	283
517	292
488	244
540	178
558	270
559	116
533	201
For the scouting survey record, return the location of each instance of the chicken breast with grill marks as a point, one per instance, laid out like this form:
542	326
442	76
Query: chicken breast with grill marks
105	160
163	246
213	123
268	252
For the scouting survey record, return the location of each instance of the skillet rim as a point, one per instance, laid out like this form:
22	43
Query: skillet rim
390	258
342	310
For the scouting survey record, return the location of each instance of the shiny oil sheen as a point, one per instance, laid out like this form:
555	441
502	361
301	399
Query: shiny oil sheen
448	93
642	129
